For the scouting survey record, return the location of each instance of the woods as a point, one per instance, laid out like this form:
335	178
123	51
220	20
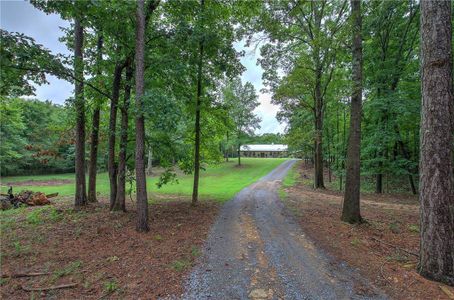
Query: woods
363	88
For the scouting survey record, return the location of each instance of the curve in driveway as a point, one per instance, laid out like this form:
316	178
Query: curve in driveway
257	251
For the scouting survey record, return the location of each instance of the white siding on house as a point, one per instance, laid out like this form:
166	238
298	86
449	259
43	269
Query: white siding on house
272	150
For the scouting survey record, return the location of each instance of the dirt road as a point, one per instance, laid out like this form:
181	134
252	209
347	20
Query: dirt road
257	251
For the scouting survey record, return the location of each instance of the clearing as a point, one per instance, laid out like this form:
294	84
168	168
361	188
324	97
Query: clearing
220	182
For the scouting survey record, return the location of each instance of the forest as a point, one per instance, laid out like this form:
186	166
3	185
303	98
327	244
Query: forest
159	112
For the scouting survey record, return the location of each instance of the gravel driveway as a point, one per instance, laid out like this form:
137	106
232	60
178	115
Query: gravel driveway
257	251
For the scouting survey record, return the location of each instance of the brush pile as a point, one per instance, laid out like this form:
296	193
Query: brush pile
28	198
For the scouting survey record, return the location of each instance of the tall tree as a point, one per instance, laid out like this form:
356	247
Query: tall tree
436	190
120	203
141	182
241	100
305	37
391	30
111	162
351	206
94	138
198	99
79	103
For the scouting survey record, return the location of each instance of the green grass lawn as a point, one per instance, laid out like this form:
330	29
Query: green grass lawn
219	182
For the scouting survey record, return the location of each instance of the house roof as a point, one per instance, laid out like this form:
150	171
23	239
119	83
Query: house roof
269	147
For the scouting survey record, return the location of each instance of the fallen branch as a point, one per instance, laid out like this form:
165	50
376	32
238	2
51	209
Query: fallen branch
52	195
54	287
396	247
19	275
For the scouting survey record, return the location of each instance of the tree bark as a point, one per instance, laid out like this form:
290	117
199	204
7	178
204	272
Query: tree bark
150	162
318	153
141	181
239	154
80	196
195	188
94	139
111	163
351	206
120	200
226	150
436	192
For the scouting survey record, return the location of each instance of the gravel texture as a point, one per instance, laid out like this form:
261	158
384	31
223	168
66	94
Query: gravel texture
256	250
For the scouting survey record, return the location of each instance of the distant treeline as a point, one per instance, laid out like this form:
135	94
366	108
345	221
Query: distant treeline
35	138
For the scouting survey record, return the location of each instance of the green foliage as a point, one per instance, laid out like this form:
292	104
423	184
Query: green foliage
195	251
180	265
413	228
23	62
39	215
395	227
20	249
355	242
111	286
34	137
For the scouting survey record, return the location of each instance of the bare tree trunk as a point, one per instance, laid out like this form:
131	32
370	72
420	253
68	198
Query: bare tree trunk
328	161
120	201
81	196
379	183
318	153
351	206
111	163
94	139
150	162
195	189
436	183
344	130
239	154
226	150
141	180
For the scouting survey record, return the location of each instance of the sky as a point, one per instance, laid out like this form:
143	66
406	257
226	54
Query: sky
21	16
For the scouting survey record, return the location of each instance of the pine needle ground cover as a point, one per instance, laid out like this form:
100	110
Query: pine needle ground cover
384	249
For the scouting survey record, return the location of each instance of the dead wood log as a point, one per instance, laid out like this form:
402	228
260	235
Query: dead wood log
52	195
53	287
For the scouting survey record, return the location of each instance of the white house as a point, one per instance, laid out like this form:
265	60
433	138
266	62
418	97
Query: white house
271	150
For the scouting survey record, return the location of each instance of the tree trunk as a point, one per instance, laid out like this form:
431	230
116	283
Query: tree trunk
120	200
227	149
328	161
80	196
379	182
318	153
150	162
141	181
195	189
351	206
239	154
436	183
111	163
94	139
344	130
407	157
